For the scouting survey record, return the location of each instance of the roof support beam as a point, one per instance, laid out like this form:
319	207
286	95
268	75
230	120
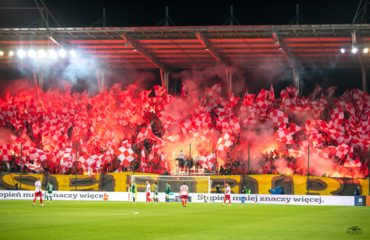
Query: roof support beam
284	50
296	81
229	78
354	43
145	53
265	29
364	80
362	63
291	61
211	49
56	39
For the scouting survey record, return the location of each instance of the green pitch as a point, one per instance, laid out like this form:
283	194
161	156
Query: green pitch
123	220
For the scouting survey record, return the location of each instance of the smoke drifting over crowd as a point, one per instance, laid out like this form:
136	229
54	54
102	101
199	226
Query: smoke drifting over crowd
136	126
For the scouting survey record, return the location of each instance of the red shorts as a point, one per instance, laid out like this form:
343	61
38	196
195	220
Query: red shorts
227	197
148	194
184	196
38	194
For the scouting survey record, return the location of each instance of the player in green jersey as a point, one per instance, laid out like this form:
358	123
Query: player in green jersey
168	191
49	189
156	193
133	191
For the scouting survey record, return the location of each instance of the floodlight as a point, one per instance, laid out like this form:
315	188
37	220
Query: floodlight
52	54
62	53
354	50
366	50
31	53
72	53
342	50
21	53
11	53
1	53
42	53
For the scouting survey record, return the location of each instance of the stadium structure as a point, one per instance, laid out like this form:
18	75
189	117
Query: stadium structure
172	47
100	194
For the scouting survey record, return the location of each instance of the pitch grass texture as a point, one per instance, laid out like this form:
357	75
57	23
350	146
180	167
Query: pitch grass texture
123	220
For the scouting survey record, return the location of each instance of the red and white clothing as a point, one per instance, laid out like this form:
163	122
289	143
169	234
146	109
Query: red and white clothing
38	192
37	189
227	195
184	191
148	190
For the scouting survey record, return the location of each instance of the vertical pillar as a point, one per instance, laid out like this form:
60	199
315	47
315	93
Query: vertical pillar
229	78
231	15
102	78
97	77
104	17
20	171
76	166
166	22
166	76
296	80
249	158
41	80
308	170
364	81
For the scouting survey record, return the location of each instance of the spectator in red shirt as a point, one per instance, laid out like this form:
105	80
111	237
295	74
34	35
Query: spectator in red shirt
234	170
240	170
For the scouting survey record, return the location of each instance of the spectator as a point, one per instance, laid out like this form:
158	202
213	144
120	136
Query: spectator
357	191
218	189
240	170
222	171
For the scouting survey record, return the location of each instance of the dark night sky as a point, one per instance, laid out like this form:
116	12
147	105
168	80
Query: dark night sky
82	13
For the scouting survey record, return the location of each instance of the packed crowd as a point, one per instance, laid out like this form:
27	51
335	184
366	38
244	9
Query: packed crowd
48	166
134	135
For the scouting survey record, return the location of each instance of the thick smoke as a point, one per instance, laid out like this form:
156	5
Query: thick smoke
16	86
261	138
281	165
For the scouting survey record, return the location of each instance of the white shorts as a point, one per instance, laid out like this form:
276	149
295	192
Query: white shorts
168	195
49	194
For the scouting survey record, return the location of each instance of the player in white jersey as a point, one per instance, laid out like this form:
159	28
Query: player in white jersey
184	191
227	195
181	154
38	192
147	192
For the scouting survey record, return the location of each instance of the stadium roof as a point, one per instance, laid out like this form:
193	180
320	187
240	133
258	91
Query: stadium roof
282	46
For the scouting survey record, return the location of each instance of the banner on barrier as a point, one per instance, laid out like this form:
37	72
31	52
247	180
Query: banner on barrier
193	197
258	184
360	200
66	195
280	199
